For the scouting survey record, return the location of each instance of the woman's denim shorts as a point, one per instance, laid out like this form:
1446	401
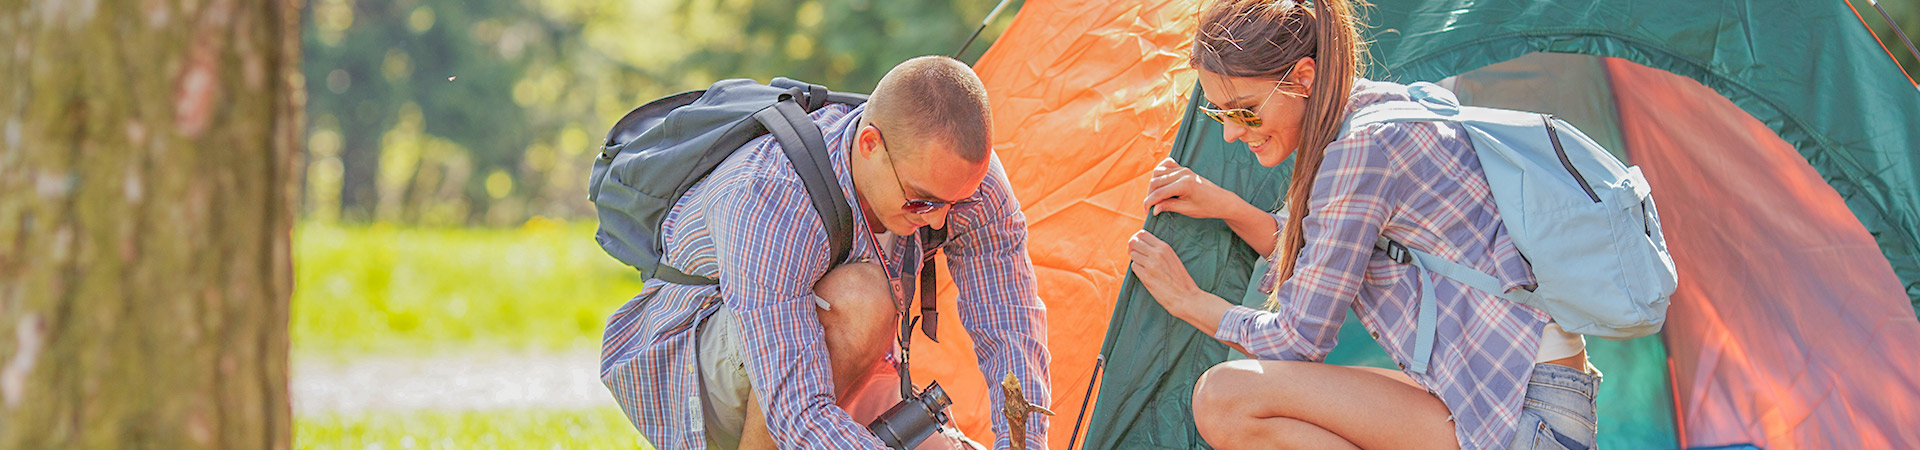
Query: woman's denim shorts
1559	410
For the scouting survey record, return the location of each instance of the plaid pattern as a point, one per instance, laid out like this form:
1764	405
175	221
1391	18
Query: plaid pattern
1419	184
751	225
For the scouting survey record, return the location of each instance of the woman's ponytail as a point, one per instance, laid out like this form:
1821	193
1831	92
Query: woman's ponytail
1337	42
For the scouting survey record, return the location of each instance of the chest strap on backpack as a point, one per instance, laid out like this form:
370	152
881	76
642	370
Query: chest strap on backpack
1429	265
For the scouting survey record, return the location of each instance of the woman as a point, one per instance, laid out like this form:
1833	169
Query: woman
1281	77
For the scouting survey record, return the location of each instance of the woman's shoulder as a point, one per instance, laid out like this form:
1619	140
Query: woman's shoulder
1395	138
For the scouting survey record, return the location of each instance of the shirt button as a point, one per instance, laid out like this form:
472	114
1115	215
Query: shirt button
1376	335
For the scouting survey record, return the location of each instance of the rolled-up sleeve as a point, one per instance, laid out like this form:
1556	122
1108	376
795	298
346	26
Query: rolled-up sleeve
1349	206
999	302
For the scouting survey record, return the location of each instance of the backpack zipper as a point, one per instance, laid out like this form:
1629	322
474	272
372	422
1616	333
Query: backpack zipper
1554	136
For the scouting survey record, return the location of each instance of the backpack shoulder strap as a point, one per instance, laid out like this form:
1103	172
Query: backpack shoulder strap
1394	111
806	147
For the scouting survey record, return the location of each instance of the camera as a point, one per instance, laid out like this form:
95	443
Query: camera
912	420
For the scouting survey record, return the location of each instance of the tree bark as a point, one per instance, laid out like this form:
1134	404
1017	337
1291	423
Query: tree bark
146	156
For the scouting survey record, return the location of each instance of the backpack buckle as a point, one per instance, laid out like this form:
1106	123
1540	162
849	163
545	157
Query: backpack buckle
1398	253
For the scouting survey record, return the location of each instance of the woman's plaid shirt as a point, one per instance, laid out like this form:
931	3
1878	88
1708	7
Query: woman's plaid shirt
1418	183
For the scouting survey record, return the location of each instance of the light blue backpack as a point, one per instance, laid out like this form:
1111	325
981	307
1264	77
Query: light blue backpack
1584	221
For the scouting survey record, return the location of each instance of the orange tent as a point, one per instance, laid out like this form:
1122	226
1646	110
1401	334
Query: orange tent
1068	79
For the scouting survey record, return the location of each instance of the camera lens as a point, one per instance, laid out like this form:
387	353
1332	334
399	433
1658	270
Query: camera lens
936	397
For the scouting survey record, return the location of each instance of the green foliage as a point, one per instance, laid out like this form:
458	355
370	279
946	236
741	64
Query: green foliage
459	112
603	428
846	45
380	288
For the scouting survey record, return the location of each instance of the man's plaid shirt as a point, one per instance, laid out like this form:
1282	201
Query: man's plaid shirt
751	225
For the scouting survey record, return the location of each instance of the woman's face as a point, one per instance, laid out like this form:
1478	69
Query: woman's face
1278	106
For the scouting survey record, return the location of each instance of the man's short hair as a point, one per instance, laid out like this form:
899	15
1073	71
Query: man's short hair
933	98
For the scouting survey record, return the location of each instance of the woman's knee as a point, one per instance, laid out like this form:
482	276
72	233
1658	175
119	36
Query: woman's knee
1219	395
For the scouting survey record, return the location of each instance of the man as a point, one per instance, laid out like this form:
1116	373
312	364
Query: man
774	354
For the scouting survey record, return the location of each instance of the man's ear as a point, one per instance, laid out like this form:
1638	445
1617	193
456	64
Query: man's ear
866	140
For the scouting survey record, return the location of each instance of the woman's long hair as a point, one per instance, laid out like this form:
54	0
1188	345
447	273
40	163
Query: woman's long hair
1264	39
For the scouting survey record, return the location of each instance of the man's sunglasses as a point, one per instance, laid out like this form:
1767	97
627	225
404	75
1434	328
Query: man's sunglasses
918	206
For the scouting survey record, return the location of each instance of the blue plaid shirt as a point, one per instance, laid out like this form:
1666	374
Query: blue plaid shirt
1420	184
751	225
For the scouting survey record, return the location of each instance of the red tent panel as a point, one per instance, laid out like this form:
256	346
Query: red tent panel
1789	329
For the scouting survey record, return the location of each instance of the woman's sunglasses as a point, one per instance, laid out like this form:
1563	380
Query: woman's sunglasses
1240	116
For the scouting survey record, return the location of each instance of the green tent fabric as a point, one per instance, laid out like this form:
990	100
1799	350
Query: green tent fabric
1159	357
1808	71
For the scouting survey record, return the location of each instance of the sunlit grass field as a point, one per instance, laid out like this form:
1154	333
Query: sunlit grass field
512	429
399	291
542	286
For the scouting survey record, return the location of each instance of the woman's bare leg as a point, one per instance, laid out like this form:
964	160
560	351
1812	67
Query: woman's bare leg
1319	405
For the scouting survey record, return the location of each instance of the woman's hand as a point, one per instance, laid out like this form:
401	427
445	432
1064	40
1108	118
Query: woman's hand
1164	276
1177	189
1162	273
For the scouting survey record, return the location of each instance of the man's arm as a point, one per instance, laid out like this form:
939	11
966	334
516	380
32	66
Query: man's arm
999	303
771	247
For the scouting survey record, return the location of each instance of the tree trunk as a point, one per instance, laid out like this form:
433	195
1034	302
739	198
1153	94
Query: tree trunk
146	154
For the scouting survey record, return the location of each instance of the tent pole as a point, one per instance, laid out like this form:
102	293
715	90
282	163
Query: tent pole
1876	38
983	27
1896	29
1098	362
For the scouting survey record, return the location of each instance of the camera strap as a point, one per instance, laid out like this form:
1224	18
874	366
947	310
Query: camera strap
930	242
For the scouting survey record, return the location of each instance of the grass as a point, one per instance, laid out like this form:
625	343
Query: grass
598	428
385	289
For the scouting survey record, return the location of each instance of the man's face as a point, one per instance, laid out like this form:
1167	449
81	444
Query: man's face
903	192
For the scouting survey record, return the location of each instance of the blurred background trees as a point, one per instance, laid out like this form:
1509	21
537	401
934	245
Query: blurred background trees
486	112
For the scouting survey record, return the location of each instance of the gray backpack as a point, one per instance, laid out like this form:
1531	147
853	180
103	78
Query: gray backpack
658	151
661	149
